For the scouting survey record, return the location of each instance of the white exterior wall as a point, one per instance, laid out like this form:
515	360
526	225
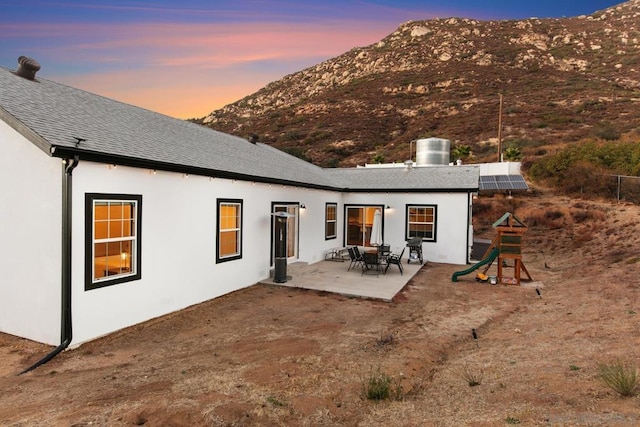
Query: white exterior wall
451	243
500	168
30	232
313	244
179	242
178	239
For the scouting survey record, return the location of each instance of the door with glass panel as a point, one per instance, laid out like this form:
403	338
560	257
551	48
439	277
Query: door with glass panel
292	228
359	224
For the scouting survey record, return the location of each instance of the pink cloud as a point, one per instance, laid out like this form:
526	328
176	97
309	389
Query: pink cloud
189	70
174	91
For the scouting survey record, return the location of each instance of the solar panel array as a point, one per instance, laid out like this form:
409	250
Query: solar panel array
502	182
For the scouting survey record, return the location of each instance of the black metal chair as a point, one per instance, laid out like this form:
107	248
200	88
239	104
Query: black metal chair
371	263
354	255
384	251
356	250
395	259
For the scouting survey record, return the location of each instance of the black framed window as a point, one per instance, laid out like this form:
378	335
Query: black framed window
229	230
112	239
421	222
359	223
330	221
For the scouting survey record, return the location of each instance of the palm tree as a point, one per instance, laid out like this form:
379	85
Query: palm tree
461	152
512	153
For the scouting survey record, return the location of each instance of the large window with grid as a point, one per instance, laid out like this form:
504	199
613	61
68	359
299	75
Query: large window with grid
421	222
112	252
359	223
331	210
229	230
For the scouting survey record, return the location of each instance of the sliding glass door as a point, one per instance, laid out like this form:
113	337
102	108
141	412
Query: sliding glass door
359	221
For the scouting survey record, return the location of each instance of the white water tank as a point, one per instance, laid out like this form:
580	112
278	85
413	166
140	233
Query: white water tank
432	152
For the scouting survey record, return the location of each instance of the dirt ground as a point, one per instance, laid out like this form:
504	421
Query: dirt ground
275	356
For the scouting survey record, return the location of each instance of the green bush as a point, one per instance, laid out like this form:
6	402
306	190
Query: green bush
586	167
378	158
607	132
621	377
378	386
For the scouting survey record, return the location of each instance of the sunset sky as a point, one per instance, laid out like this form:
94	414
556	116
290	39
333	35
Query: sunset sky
187	58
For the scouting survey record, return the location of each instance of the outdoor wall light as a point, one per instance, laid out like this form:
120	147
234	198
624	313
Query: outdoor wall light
387	207
302	206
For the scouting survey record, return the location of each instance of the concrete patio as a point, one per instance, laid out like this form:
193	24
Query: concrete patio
332	276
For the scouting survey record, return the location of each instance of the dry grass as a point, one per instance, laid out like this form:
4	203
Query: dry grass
280	356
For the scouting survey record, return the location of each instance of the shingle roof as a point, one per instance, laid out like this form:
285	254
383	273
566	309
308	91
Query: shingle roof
60	114
54	115
437	178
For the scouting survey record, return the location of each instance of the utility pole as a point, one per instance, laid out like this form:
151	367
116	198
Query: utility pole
411	148
500	131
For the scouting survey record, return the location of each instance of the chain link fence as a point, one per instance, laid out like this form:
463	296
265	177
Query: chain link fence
623	188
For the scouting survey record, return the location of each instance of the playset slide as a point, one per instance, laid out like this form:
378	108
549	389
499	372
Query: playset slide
487	260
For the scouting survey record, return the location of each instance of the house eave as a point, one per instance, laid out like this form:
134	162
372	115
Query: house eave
67	152
410	190
98	157
25	131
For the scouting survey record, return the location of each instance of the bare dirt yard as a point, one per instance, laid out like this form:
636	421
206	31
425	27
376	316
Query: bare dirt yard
275	356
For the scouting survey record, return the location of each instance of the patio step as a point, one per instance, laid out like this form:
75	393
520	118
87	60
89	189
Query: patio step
293	268
297	267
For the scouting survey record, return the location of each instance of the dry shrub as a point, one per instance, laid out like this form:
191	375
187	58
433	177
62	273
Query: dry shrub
583	237
587	180
580	216
472	376
488	209
553	215
543	218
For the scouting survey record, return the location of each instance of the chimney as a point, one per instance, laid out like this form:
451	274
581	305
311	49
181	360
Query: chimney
27	68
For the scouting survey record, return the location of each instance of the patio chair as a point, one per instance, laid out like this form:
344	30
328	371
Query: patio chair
371	263
384	251
354	255
396	260
358	254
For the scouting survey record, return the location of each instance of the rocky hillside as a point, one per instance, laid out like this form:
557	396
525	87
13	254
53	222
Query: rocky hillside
561	80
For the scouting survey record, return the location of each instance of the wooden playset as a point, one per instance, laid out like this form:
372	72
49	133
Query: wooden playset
506	247
509	244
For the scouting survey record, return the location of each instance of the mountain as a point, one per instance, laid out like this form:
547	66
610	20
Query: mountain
561	80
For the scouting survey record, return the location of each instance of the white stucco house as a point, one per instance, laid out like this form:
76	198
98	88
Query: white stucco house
112	214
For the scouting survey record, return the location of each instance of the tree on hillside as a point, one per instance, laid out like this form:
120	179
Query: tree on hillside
461	152
512	153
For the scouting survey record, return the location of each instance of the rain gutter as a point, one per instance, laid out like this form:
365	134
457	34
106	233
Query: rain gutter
66	332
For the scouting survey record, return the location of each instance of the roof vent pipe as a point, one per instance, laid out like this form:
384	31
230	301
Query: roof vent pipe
27	67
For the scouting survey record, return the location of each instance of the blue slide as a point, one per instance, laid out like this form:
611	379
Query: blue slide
487	260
